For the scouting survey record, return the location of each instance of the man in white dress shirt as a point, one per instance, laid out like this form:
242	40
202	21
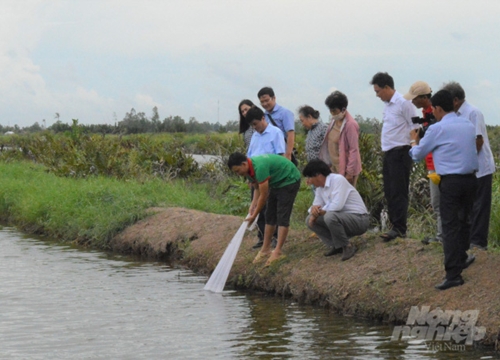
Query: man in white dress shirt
338	211
480	217
395	144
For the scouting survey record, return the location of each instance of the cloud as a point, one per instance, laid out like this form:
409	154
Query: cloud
144	100
88	59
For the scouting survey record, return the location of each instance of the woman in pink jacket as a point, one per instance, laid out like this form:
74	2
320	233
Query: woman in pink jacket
340	148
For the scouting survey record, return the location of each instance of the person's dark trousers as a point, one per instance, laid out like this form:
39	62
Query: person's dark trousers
396	172
261	221
457	196
480	217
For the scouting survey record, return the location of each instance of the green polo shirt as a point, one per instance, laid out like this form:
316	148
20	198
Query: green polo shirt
278	169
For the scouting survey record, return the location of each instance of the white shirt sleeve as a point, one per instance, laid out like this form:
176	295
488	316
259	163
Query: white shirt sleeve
337	196
409	111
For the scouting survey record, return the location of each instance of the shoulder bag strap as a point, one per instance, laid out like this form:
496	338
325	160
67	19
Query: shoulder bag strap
274	123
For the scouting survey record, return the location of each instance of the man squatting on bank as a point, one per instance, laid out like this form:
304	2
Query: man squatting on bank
338	211
452	142
276	181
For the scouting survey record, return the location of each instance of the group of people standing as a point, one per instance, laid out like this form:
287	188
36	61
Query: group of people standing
460	174
334	165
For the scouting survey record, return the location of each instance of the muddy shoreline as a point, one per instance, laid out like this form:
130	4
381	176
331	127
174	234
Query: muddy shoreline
382	281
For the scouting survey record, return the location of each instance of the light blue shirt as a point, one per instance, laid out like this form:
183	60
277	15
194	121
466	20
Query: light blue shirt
271	141
452	142
485	156
283	118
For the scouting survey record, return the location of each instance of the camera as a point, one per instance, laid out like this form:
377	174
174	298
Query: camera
424	122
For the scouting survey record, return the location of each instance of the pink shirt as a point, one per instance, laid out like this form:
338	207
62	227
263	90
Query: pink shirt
349	156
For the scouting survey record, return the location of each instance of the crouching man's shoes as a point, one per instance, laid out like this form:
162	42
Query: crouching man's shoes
470	260
333	251
450	283
348	252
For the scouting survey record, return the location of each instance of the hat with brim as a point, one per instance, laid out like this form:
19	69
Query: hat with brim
417	89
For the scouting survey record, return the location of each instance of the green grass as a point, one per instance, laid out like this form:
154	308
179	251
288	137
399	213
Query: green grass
494	233
93	210
89	210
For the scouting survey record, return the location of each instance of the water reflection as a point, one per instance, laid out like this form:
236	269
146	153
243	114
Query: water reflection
59	302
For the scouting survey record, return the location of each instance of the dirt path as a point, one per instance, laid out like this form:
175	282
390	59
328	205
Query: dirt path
382	281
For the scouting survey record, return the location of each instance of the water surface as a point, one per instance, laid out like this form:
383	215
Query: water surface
60	302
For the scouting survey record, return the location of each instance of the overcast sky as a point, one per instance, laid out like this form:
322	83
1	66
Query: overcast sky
95	60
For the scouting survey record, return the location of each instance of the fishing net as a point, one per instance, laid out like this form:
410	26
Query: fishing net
219	276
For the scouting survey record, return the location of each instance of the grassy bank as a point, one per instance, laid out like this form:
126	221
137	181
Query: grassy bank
95	209
157	170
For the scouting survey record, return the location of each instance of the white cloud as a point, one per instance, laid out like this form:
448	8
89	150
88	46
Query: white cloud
144	100
87	59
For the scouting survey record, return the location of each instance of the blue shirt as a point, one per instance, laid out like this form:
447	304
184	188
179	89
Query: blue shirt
283	118
452	142
271	141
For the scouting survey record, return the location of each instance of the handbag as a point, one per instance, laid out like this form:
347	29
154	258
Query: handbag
293	158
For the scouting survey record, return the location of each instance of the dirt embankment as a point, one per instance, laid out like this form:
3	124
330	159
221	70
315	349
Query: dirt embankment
382	281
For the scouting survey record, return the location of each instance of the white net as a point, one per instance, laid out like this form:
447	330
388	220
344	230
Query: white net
219	276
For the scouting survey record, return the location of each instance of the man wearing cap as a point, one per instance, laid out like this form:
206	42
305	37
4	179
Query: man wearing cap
395	145
452	143
420	95
480	217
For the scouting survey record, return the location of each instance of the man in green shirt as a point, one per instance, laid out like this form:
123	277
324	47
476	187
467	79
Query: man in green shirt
276	180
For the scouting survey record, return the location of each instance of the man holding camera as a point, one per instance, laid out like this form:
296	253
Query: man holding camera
480	217
420	95
452	142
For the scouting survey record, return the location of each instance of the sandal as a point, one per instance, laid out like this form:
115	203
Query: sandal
260	256
273	259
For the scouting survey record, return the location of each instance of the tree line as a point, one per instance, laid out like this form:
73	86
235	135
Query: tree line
133	123
138	123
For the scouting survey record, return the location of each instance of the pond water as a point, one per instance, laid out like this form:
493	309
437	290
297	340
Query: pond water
61	302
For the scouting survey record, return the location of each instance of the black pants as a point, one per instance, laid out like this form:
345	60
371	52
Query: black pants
261	221
396	171
480	217
457	196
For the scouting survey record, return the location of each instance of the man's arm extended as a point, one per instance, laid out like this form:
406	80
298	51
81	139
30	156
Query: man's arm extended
261	193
